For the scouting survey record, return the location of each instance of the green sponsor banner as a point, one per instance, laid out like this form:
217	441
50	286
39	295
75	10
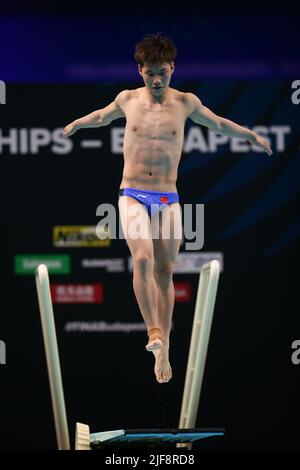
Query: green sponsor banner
56	264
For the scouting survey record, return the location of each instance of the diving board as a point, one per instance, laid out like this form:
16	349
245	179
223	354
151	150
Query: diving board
185	434
145	437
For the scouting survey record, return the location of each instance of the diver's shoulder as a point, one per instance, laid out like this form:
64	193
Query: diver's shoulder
184	97
124	96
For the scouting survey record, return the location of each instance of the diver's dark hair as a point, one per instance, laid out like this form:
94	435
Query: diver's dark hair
155	49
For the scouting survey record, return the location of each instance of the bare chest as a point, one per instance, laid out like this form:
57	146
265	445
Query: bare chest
164	122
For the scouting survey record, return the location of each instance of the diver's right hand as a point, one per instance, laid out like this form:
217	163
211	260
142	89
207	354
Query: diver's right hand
70	129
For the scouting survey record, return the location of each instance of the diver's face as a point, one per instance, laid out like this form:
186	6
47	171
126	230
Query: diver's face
156	76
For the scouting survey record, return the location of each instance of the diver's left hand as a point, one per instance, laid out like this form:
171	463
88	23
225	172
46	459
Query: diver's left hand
262	143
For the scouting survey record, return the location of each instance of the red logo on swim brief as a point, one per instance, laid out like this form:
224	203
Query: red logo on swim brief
163	199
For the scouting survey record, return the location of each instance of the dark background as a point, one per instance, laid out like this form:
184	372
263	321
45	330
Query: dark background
60	64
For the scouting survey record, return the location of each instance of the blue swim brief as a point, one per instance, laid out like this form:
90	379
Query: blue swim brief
147	198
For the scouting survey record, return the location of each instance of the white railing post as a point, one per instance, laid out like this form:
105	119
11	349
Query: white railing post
52	356
204	309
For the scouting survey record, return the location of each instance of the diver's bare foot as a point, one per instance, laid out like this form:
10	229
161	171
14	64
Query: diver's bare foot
162	366
155	339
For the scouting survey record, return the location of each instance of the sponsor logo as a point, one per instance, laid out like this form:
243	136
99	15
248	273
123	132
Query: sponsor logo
163	199
80	236
56	264
77	293
111	265
183	291
141	195
191	262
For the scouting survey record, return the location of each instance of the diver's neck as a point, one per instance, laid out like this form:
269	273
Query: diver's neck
157	99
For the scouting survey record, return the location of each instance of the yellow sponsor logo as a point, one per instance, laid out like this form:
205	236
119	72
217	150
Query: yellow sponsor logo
79	236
